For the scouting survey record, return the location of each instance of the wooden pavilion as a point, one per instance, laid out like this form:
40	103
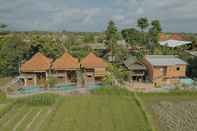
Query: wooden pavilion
66	69
35	71
94	68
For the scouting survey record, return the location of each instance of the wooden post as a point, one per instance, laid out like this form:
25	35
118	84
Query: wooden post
66	77
25	80
78	78
46	75
35	80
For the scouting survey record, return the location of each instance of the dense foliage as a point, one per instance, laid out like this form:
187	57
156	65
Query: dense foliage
39	100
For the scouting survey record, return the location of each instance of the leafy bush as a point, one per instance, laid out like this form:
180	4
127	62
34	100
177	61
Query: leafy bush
38	100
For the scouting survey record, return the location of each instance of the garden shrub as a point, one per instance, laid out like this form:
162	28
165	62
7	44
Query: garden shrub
39	100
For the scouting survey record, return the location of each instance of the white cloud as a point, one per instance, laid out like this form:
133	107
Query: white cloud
175	15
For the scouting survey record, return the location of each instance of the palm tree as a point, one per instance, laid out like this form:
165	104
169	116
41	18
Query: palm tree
143	23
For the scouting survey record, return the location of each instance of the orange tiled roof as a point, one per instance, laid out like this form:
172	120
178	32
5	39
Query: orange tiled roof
92	61
164	37
66	62
38	62
176	37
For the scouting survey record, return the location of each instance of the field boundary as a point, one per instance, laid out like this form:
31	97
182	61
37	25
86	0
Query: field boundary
145	114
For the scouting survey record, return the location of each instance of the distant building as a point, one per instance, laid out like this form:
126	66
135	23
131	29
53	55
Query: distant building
137	70
173	40
165	69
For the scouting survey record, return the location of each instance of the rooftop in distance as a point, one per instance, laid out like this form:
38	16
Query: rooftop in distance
164	60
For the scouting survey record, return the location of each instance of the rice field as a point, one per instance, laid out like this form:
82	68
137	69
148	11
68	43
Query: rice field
75	113
172	112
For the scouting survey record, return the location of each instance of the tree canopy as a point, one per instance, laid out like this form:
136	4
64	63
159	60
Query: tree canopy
143	23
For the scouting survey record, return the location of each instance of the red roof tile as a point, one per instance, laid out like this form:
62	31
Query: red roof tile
38	62
164	37
92	61
176	37
66	62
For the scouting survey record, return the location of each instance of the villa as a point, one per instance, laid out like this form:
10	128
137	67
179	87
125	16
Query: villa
165	69
35	71
66	69
94	68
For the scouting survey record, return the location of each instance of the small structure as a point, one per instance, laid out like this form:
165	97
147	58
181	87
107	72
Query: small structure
137	69
173	40
165	69
94	68
35	71
175	43
66	69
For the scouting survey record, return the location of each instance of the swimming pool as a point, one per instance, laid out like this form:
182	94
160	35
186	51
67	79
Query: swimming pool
27	90
94	86
63	87
68	87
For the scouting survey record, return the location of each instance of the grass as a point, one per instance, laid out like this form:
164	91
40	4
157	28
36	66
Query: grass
104	110
4	80
102	113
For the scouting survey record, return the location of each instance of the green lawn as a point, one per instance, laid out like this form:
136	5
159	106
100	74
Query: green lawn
4	80
77	113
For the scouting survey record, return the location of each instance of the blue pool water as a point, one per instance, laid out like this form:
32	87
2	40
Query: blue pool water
29	90
187	81
64	88
95	86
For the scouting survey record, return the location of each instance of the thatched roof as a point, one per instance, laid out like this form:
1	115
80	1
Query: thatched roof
37	63
92	61
66	62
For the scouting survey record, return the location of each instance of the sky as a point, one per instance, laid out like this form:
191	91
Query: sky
93	15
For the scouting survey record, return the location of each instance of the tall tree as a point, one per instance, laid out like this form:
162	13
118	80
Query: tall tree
154	31
192	68
2	26
132	36
111	37
143	23
12	52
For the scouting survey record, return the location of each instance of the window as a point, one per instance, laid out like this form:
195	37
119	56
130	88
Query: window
162	71
178	68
